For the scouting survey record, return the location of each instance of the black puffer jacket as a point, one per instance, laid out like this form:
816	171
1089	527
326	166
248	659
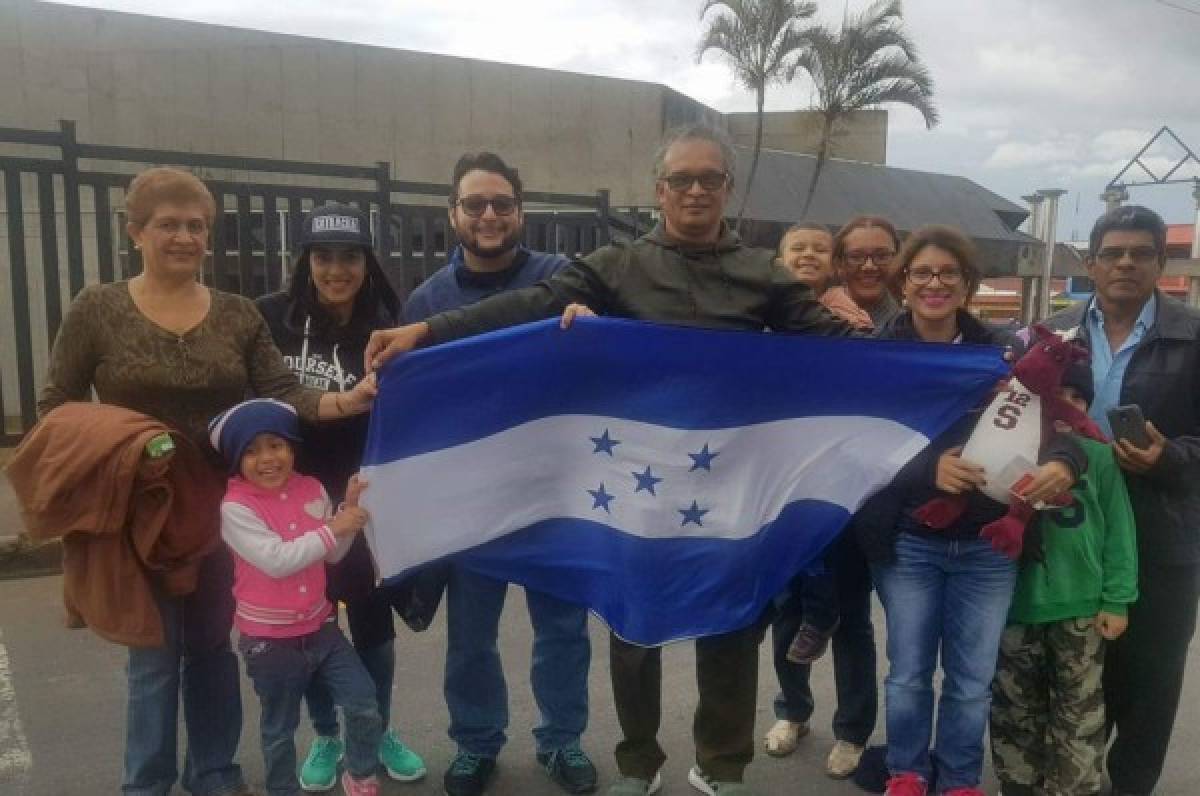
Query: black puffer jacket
1163	378
888	513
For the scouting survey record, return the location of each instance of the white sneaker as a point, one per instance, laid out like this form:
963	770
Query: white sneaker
843	759
700	782
783	738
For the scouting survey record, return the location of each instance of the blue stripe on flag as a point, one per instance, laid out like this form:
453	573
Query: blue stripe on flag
696	379
653	591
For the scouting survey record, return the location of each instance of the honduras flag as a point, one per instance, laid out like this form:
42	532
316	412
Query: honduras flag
671	479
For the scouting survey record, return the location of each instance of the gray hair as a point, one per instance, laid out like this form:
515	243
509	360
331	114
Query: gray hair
695	132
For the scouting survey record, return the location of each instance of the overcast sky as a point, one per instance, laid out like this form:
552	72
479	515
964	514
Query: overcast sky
1033	93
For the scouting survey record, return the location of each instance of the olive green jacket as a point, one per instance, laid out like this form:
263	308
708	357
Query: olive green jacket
723	286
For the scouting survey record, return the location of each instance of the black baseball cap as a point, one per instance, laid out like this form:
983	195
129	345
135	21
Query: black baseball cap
336	224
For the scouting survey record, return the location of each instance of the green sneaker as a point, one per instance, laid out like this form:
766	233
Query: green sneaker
319	772
402	763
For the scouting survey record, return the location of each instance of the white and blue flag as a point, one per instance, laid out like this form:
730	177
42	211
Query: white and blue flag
671	479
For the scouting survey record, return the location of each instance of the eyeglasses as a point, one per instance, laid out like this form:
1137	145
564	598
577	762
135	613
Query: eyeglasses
1141	255
709	181
949	277
858	258
171	227
476	206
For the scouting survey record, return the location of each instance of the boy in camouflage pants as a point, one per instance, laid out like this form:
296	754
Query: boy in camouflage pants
1047	723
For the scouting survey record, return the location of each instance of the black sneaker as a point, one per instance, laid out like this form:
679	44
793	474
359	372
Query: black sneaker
570	768
468	775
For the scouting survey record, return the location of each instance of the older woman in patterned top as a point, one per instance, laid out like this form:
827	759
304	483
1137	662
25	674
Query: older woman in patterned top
165	345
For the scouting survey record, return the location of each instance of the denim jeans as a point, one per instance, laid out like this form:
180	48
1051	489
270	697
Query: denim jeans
475	691
281	669
197	660
952	596
853	649
372	632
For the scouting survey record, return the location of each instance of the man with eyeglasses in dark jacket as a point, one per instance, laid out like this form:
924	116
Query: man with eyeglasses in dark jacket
691	269
1146	351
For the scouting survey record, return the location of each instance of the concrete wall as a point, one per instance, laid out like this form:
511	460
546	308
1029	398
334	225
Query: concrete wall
138	81
862	136
141	81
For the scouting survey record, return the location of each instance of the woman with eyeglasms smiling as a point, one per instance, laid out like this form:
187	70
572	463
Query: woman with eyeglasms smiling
165	345
945	593
864	252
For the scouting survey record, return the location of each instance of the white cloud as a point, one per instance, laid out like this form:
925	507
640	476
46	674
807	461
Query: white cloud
1019	154
1116	144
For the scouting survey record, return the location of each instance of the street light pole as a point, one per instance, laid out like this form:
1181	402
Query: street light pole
1049	224
1032	285
1194	281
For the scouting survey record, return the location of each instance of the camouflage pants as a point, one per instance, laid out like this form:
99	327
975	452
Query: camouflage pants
1047	722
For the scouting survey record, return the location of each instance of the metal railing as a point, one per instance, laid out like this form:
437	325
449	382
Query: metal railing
64	219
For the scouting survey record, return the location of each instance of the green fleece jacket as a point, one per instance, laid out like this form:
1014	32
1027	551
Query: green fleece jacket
1090	551
726	285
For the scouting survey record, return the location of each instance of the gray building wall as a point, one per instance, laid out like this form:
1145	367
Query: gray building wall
141	81
862	136
138	81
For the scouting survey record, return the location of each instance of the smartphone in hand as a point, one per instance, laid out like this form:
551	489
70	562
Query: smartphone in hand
1127	422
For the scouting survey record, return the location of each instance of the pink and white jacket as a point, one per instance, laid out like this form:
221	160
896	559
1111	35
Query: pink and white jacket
281	541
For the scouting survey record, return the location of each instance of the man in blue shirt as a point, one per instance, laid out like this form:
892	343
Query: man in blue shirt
486	214
1146	351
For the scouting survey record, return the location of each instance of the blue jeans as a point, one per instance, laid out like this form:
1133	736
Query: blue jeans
281	669
476	694
951	595
197	659
380	663
853	649
370	619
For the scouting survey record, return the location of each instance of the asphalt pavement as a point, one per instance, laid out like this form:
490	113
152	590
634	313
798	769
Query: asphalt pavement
62	703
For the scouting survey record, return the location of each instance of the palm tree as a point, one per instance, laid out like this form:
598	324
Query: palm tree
758	38
870	61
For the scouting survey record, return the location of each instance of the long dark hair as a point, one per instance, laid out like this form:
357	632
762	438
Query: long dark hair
375	305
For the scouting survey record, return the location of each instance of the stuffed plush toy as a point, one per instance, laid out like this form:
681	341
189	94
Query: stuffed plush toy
1009	435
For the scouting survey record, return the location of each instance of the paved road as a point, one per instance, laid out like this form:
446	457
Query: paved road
62	704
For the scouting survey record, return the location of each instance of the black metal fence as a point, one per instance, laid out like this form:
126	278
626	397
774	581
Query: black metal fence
65	226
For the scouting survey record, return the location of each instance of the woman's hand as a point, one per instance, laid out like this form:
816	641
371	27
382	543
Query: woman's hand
956	475
359	399
1049	481
387	343
574	311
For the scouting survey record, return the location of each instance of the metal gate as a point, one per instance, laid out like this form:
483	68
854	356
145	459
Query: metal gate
63	220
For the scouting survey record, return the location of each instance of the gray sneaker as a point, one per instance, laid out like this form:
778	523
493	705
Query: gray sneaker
632	786
711	787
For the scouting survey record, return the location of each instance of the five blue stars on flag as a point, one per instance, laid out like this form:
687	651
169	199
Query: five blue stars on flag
647	480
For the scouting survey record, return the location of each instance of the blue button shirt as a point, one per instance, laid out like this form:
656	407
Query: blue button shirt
1108	369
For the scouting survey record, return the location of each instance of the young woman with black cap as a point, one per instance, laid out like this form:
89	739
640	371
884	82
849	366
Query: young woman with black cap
338	295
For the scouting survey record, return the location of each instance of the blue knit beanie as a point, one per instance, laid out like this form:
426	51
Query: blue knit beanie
232	431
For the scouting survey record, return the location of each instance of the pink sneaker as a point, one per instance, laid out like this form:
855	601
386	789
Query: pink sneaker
366	786
906	784
963	792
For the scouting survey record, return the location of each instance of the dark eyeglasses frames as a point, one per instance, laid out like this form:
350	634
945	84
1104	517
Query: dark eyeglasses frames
1141	255
949	277
857	259
709	181
476	206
